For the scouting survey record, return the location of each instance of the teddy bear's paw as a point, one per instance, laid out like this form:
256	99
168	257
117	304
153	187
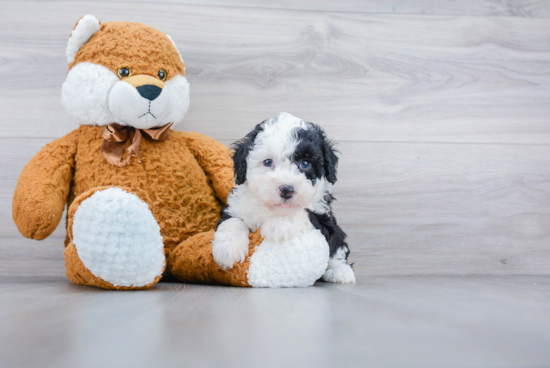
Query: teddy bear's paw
298	262
340	273
118	239
230	243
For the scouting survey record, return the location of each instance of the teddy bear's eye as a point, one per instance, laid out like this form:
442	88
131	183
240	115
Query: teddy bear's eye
123	72
162	74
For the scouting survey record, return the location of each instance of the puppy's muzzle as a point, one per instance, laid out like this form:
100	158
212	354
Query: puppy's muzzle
286	191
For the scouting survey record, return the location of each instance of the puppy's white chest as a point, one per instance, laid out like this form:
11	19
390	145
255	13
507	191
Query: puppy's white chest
283	228
297	262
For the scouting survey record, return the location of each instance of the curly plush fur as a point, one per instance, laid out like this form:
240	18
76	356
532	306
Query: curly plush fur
179	183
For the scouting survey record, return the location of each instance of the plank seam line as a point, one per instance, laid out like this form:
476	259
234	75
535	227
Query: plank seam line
448	142
350	12
324	11
338	141
23	238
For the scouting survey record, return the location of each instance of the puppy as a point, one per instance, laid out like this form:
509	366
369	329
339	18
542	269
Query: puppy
284	170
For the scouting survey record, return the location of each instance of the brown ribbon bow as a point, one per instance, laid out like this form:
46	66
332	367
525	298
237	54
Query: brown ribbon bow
115	140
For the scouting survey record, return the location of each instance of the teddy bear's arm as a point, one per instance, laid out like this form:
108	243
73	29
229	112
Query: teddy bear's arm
43	187
215	160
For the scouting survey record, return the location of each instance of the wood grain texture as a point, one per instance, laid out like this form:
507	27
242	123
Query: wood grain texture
412	208
393	78
445	208
443	121
514	8
22	257
380	322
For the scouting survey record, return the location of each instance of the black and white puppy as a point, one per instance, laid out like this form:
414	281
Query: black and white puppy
284	170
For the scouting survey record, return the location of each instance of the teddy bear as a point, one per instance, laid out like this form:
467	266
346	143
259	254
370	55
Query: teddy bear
143	200
135	189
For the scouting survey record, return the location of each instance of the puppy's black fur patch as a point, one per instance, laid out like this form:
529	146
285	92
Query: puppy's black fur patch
242	148
326	223
223	217
317	149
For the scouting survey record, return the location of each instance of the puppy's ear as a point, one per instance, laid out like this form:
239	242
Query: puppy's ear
242	148
331	160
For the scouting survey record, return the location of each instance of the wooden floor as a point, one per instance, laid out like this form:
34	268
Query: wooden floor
441	111
414	321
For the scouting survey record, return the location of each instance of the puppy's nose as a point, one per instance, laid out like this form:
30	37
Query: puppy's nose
286	191
149	91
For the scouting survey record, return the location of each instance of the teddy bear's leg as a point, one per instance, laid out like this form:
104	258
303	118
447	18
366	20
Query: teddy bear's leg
192	261
115	240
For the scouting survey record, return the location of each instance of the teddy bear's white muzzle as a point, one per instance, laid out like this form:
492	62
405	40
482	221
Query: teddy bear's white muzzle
94	95
142	107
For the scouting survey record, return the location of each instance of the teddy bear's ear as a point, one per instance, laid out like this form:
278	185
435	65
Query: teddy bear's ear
84	29
173	43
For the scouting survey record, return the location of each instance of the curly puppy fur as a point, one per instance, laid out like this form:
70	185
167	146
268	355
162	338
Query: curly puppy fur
284	170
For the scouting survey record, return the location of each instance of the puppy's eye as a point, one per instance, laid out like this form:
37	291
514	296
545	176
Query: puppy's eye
124	72
304	165
162	74
268	162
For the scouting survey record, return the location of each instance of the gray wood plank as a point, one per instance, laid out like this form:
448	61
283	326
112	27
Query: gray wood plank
20	257
380	322
414	208
364	77
514	8
445	208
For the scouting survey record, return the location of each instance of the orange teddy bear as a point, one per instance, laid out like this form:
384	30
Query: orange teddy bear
143	199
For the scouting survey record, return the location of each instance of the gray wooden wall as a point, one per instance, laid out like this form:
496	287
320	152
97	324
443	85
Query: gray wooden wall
441	110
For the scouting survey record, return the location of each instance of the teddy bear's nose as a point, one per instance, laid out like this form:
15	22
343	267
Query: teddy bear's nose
149	91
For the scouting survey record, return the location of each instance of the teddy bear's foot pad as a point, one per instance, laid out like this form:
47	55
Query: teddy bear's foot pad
118	239
295	263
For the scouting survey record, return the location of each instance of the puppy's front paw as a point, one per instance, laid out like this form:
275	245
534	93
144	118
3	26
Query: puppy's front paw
340	273
230	243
